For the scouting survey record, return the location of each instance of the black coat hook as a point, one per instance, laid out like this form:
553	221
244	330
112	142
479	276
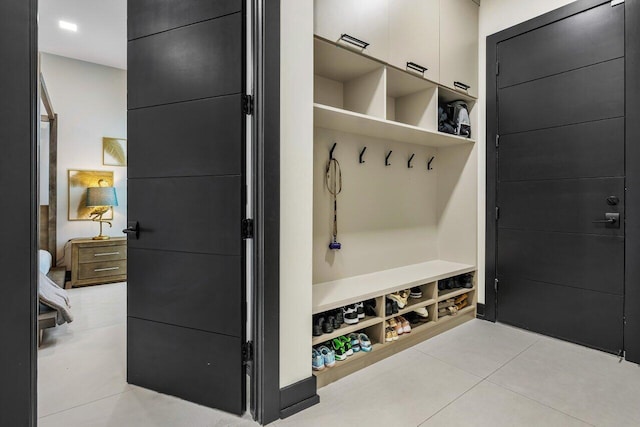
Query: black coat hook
331	151
410	159
386	159
429	163
362	154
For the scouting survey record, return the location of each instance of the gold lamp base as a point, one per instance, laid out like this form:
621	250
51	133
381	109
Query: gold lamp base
97	216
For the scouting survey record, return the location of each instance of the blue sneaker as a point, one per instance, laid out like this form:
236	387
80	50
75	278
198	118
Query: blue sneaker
365	343
355	342
328	355
317	360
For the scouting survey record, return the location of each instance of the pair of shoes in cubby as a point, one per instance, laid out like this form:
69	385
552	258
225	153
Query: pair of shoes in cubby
400	297
391	307
447	307
395	327
416	319
327	322
461	281
345	346
322	357
353	313
462	301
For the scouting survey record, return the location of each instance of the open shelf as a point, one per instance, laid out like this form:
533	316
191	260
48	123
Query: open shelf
462	312
347	329
337	293
362	124
452	293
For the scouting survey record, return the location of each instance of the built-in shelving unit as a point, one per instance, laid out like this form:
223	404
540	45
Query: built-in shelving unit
357	94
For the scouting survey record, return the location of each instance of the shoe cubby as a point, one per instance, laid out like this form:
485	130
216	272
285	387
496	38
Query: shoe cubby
446	96
345	328
330	295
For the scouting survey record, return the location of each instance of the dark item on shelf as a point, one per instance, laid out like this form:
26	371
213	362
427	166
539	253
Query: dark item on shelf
354	41
339	316
317	327
394	305
334	185
409	162
453	118
464	281
370	307
386	159
416	292
388	308
327	327
335	323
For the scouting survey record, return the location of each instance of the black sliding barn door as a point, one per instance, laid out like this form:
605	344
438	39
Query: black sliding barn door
561	178
186	287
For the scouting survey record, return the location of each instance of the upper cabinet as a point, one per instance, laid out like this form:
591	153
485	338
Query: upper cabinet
459	44
365	21
414	32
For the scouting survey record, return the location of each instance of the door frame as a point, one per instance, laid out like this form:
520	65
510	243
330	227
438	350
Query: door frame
18	385
632	151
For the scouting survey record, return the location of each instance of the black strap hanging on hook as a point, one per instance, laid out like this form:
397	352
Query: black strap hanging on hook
386	159
410	159
429	163
362	154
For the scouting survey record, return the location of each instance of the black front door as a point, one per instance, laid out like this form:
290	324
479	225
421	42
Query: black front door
186	180
561	178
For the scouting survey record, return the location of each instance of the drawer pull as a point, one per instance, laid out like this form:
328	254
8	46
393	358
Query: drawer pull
106	269
461	85
416	67
107	253
354	41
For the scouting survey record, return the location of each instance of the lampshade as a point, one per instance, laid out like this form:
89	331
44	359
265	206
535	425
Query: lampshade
102	196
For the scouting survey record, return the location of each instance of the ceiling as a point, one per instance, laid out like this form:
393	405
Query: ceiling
102	30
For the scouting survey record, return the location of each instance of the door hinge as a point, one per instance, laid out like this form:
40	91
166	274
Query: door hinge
497	68
616	2
247	352
247	228
495	285
247	104
497	213
497	141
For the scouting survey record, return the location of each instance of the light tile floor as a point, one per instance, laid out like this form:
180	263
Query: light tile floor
479	374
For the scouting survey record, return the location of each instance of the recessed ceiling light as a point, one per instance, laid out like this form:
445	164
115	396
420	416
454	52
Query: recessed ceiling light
68	26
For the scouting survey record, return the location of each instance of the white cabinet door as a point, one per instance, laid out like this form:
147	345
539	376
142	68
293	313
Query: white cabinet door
366	20
459	43
414	32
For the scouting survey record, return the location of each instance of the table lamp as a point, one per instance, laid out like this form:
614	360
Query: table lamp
102	199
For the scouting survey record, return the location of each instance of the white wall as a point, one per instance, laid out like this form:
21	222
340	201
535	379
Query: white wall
296	187
91	102
495	16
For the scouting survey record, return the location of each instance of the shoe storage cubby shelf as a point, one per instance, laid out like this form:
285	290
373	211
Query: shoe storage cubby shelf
335	294
357	94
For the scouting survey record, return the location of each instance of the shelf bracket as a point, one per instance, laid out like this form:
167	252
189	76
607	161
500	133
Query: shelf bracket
410	159
362	154
386	159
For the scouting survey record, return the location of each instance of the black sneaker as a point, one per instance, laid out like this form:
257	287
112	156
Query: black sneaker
339	316
327	327
350	314
370	307
336	324
360	309
395	308
416	292
388	308
466	281
317	327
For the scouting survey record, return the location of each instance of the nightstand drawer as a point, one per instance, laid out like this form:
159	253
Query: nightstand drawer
102	269
102	253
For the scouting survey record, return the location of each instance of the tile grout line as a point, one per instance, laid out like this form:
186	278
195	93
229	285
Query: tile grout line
86	403
538	402
512	359
453	401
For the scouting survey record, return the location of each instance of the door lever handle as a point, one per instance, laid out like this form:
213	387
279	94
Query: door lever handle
610	218
133	230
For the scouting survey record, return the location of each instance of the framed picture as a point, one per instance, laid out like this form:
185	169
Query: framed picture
114	151
79	181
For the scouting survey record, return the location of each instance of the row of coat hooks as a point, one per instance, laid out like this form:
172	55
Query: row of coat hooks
386	159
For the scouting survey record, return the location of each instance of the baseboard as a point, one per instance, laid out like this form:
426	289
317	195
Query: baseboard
480	311
298	397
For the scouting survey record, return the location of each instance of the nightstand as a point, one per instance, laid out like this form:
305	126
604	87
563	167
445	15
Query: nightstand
96	262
